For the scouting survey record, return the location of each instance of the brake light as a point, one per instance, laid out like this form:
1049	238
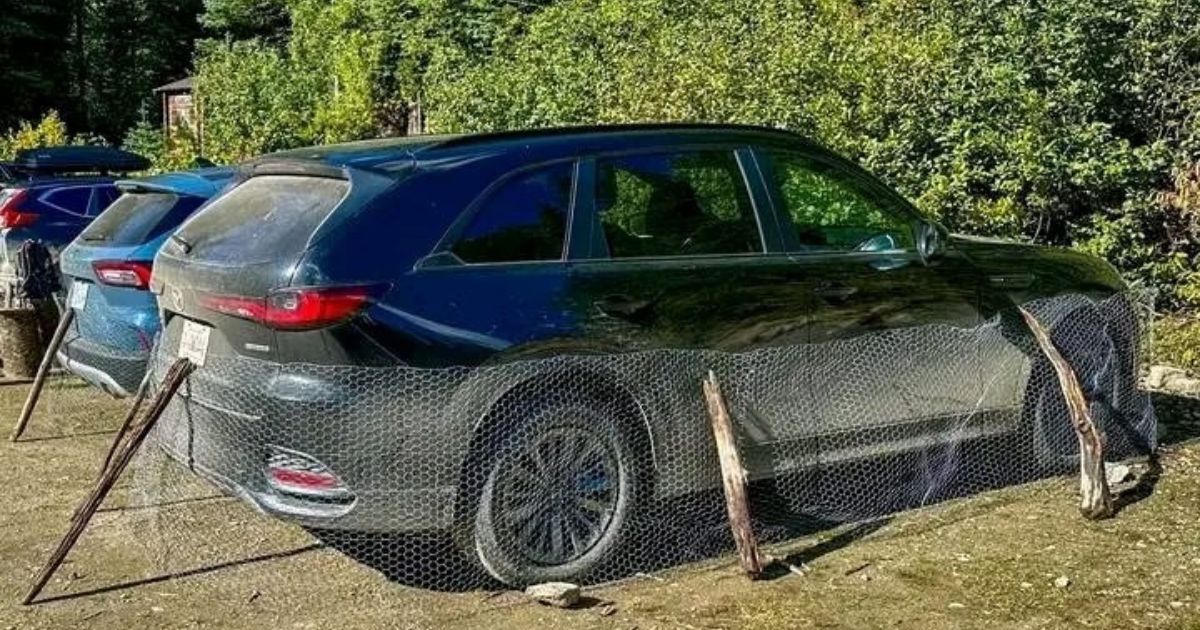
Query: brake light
11	215
297	309
121	273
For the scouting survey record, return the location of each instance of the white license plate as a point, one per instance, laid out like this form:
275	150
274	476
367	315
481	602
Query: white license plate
193	342
78	299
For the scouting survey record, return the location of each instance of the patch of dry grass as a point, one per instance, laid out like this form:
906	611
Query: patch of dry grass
987	561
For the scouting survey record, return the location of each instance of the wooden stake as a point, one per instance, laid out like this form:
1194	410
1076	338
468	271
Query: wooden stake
35	391
1095	498
136	435
734	478
138	399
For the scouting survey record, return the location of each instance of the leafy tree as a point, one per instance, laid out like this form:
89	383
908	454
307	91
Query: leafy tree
247	19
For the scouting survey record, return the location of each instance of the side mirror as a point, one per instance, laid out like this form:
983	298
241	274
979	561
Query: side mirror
931	240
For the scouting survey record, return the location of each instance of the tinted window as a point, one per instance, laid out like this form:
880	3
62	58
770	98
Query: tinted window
74	200
832	210
265	217
524	219
675	204
138	218
105	196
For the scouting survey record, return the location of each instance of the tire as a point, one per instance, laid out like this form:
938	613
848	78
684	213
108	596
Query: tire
560	495
1104	364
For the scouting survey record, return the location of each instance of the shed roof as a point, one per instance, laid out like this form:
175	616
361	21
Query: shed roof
182	85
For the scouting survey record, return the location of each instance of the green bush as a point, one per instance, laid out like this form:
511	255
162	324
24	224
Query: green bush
1071	122
1176	342
49	131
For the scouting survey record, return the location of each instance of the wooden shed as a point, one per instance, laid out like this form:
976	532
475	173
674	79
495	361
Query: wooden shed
179	106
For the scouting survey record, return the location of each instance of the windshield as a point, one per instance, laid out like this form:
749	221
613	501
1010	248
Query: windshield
266	218
137	218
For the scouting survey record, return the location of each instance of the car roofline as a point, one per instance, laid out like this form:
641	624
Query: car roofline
325	160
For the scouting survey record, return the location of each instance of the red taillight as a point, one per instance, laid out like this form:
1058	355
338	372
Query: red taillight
11	215
121	273
297	309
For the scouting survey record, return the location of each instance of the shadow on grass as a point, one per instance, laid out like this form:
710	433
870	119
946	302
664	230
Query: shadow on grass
66	436
180	574
1178	417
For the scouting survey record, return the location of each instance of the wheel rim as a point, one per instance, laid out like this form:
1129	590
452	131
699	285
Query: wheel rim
556	497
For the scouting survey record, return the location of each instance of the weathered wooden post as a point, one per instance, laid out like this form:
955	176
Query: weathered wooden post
128	445
1095	498
734	477
35	391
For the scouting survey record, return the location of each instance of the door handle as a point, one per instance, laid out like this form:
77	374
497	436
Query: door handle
836	291
623	306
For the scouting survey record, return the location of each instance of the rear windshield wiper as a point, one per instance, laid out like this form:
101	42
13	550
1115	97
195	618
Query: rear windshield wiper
92	238
187	247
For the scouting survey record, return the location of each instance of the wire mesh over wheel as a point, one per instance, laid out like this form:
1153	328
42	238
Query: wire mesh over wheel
555	504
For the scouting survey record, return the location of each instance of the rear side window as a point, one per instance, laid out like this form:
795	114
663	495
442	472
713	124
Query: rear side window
675	204
104	197
74	200
525	219
264	218
138	218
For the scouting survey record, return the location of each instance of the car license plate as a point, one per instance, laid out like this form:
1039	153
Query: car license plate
193	343
78	299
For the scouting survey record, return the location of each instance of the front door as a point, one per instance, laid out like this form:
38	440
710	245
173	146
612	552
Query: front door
900	358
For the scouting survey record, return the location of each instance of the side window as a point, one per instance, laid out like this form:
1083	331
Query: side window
832	211
74	200
105	196
675	204
523	220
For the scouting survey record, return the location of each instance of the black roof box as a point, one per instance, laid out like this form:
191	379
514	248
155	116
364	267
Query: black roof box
79	159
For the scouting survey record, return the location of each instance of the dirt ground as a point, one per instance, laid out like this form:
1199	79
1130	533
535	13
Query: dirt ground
988	561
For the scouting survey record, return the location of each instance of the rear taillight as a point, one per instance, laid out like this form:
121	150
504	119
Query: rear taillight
11	215
122	273
297	309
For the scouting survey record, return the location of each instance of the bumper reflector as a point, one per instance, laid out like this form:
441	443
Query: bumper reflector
300	475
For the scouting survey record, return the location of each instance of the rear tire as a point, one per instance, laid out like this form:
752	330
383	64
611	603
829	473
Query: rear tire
560	495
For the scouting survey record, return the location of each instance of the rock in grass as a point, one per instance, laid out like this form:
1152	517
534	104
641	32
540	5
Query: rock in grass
1062	581
560	594
1117	473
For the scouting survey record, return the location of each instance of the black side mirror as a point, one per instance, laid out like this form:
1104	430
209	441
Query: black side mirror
931	240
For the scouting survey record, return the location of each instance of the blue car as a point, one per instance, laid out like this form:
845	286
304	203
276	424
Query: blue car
51	194
108	270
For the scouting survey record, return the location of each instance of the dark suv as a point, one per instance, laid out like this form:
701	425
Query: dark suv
503	335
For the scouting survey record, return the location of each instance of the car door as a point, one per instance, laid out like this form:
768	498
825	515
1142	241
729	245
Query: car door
674	255
901	356
498	286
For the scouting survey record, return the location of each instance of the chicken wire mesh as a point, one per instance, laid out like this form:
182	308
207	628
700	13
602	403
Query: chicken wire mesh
588	468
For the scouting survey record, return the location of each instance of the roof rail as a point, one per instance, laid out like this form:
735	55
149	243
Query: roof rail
549	132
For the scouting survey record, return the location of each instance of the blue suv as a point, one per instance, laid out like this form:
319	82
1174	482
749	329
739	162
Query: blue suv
108	267
51	194
502	336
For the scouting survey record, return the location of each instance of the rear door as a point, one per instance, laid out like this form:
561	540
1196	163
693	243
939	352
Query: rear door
673	254
677	255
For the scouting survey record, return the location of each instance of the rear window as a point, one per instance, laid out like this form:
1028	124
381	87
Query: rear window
137	218
263	219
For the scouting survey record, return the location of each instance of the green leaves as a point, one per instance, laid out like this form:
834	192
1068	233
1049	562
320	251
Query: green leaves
1062	121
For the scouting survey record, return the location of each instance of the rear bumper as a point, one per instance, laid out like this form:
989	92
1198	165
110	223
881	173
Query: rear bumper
107	368
225	427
